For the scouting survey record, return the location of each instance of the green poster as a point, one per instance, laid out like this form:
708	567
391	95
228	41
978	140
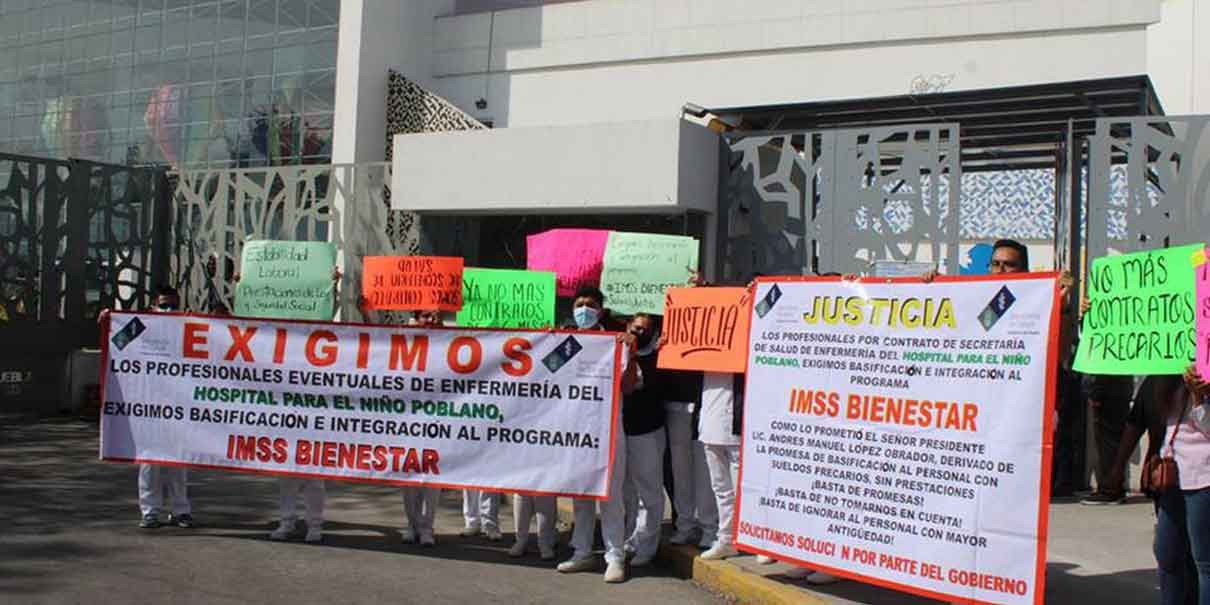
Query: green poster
286	280
507	298
639	267
1142	316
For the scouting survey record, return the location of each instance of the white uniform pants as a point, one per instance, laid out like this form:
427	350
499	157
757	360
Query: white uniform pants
723	462
481	509
613	512
160	484
692	498
644	492
313	494
524	508
420	506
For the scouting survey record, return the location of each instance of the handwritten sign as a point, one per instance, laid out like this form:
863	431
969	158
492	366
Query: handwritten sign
286	280
402	283
706	329
507	298
574	255
1142	318
1201	270
640	267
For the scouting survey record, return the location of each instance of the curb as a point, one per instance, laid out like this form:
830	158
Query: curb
733	581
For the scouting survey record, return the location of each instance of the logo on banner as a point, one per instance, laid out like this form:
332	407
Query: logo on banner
770	299
996	308
128	333
562	354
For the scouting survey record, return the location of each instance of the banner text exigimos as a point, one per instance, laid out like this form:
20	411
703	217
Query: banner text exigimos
499	410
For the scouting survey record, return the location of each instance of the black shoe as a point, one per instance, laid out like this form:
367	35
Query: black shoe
182	521
150	522
1100	498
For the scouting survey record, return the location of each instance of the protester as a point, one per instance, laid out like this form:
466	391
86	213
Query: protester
1185	513
1176	569
158	483
524	508
1067	397
643	423
481	511
588	311
420	503
1109	404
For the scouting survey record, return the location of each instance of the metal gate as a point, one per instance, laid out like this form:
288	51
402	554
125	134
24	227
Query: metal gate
75	237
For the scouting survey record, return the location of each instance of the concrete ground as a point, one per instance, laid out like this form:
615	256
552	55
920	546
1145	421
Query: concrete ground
68	534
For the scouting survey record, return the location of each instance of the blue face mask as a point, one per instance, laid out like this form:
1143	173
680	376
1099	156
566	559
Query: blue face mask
586	317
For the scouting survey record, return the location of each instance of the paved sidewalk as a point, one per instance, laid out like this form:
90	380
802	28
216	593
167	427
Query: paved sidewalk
69	535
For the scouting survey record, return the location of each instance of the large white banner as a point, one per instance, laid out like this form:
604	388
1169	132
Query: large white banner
899	433
521	411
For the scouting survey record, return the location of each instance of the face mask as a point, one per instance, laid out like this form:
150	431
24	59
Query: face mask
1200	416
644	340
586	317
166	307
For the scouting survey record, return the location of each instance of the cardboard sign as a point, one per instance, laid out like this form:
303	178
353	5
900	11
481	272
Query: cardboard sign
507	298
900	434
574	255
288	280
640	267
706	329
1201	271
407	283
463	409
1142	318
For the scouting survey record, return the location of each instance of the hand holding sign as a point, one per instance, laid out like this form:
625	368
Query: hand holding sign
406	283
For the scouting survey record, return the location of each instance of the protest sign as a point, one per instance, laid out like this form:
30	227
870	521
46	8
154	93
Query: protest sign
404	283
639	267
532	412
574	255
1142	318
507	298
706	329
903	432
291	280
1201	270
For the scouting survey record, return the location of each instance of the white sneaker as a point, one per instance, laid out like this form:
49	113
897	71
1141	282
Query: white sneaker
641	560
682	537
820	578
763	560
518	549
493	534
719	551
576	565
798	573
470	531
426	538
546	552
615	573
314	534
283	532
408	536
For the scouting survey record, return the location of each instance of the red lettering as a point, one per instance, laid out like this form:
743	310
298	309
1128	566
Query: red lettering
245	448
239	344
279	346
456	348
302	453
329	454
380	458
408	357
514	349
280	450
363	457
195	336
431	459
326	355
363	350
347	453
411	464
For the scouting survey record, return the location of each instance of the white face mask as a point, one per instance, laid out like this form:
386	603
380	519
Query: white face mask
586	317
1200	415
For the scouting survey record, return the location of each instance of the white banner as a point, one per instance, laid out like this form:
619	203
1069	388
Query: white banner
899	433
519	411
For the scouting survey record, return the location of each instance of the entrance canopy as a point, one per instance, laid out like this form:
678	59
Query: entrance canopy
1016	127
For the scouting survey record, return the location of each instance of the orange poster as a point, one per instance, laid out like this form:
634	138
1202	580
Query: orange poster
706	329
408	283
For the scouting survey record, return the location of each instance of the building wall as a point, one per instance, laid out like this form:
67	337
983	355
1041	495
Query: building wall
1178	57
563	63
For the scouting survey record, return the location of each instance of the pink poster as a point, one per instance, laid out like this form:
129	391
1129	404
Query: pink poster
575	255
1201	272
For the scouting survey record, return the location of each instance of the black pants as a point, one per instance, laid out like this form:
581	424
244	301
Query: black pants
1108	422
